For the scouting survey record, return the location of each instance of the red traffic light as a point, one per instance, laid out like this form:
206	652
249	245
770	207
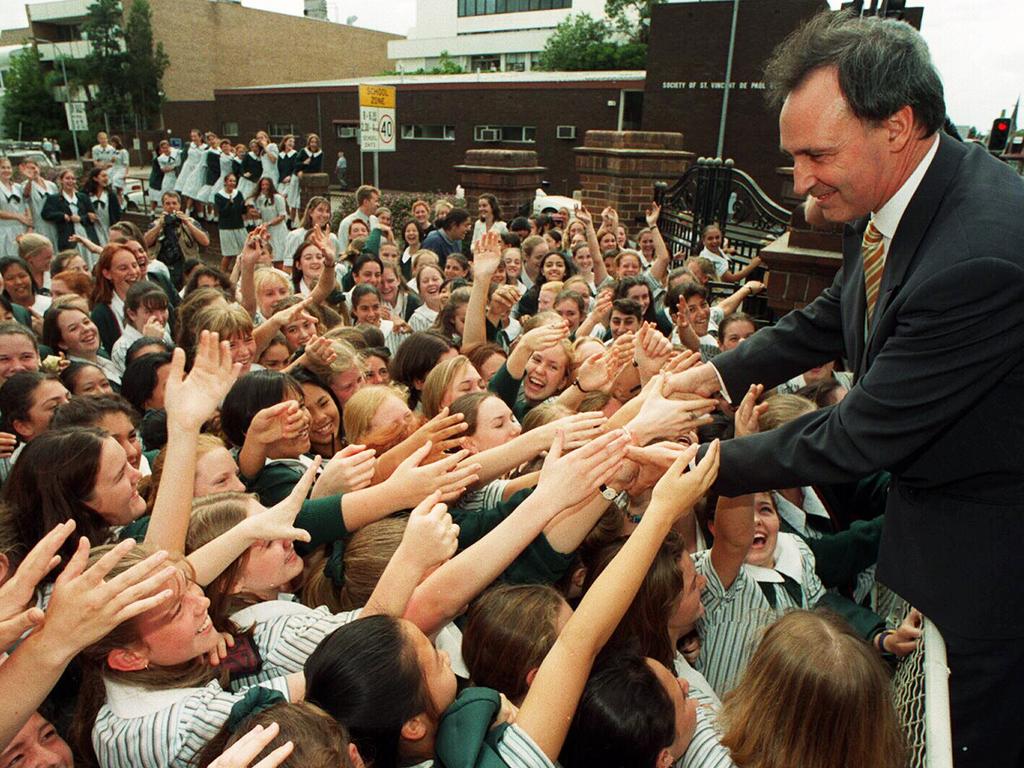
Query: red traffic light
1003	125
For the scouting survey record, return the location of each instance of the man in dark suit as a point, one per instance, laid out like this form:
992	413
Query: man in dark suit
928	310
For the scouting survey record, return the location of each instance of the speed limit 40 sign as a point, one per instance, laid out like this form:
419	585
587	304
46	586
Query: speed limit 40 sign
377	126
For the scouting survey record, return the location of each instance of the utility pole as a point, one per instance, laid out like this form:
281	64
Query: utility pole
728	79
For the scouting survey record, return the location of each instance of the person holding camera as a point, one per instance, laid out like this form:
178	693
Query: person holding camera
177	236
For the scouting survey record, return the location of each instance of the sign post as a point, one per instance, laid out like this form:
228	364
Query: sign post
77	120
376	124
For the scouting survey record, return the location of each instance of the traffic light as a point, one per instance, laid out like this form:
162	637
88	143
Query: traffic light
999	135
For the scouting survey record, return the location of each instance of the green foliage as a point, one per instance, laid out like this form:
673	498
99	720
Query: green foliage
107	63
146	64
582	42
631	18
28	101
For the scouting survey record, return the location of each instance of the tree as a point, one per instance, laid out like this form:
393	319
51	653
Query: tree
29	108
145	64
631	18
106	62
581	42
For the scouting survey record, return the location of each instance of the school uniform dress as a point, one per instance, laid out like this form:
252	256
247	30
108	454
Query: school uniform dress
734	618
252	170
423	318
104	155
210	171
231	212
58	206
166	178
720	261
268	166
108	211
193	171
226	165
310	162
270	209
12	200
480	229
36	193
129	336
119	171
287	164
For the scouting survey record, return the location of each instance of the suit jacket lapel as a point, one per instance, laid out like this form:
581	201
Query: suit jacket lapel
917	218
853	294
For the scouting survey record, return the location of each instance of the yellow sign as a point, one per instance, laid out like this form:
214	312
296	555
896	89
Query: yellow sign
381	96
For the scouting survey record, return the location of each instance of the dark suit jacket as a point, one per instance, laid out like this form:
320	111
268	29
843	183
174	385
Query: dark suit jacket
56	208
937	399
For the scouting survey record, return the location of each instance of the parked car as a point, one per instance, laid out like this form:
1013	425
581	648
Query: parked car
135	194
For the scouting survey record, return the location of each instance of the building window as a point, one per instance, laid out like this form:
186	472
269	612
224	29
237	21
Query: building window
515	134
429	132
486	63
282	129
488	7
515	62
229	129
345	130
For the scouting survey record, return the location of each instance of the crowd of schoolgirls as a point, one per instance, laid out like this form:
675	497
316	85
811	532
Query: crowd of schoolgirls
367	497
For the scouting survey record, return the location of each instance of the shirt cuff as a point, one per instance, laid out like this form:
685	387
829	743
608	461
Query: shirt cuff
721	383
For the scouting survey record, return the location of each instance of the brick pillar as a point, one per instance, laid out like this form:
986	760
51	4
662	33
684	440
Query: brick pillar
620	168
511	175
312	185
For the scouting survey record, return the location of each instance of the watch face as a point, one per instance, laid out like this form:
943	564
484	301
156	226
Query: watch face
609	493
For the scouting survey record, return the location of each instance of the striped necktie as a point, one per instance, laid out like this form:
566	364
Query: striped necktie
872	251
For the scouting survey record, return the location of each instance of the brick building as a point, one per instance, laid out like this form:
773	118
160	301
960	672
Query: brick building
221	45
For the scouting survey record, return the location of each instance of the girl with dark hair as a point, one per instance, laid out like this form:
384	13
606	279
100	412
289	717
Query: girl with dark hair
251	169
104	201
488	218
456	266
451	230
368	308
84	379
554	267
68	329
230	205
27	402
396	294
324	414
18	286
316	216
416	358
412	237
638	289
145	380
273	212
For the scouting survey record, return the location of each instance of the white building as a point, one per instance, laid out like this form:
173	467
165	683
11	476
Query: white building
484	35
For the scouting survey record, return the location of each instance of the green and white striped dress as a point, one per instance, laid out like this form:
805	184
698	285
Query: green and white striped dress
735	618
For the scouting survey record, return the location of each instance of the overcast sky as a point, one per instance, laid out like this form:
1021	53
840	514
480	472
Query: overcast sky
977	45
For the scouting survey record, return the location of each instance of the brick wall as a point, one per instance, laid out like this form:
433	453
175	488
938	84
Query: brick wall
620	168
224	45
512	176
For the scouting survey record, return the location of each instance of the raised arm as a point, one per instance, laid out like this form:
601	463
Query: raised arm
485	264
551	702
190	402
449	588
731	303
662	257
600	272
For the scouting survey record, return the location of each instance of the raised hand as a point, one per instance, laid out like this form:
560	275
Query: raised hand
903	640
16	615
577	430
246	749
412	481
283	421
319	352
652	215
191	400
700	380
652	462
154	329
85	606
584	216
278	522
652	351
680	488
670	419
597	373
571	478
443	431
749	412
8	443
545	336
488	256
350	469
430	536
